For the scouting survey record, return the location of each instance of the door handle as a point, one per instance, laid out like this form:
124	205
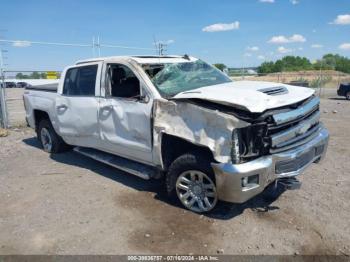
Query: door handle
62	107
108	107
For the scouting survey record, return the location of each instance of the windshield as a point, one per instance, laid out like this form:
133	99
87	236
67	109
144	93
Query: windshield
173	78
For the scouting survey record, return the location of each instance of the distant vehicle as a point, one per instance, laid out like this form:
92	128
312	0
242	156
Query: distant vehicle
344	90
10	84
22	85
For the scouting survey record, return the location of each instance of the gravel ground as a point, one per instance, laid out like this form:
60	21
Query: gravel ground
69	204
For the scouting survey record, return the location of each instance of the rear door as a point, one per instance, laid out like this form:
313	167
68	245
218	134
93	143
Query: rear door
77	105
125	113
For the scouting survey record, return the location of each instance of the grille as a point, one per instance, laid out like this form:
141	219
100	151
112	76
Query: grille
287	166
295	127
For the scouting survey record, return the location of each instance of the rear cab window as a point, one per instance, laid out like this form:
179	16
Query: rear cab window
80	81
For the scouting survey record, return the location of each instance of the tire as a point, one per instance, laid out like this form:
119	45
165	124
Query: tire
49	139
190	181
347	95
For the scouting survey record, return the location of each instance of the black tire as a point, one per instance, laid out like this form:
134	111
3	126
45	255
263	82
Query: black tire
347	95
57	144
186	162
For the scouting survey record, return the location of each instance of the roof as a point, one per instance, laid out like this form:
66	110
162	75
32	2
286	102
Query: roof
141	59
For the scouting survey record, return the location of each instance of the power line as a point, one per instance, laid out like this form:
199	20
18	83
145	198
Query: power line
28	43
94	44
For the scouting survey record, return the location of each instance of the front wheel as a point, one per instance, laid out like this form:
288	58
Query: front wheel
190	179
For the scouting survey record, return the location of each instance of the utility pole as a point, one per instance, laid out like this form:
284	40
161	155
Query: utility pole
98	46
3	109
93	47
162	48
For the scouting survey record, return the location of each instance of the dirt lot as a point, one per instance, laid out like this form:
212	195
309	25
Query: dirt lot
69	204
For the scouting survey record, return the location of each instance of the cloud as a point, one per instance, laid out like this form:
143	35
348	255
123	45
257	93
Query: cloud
261	57
247	55
21	43
294	2
345	46
300	48
221	27
253	48
283	50
281	39
341	20
267	1
297	39
316	46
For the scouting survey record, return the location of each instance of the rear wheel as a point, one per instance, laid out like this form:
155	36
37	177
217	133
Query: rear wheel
347	95
190	180
49	139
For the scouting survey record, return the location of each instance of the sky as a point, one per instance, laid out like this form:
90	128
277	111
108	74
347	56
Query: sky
238	33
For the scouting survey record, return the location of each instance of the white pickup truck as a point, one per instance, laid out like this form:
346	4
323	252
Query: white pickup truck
178	117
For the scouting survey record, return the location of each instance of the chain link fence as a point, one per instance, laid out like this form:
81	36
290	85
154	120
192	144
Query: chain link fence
13	84
324	82
313	79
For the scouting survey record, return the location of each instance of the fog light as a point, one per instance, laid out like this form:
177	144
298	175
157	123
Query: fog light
250	181
244	181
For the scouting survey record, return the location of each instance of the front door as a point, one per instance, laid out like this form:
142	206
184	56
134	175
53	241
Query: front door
125	115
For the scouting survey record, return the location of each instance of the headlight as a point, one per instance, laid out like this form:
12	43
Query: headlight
249	142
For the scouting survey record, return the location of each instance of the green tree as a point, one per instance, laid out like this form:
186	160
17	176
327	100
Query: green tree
266	68
43	75
333	62
287	63
35	75
221	67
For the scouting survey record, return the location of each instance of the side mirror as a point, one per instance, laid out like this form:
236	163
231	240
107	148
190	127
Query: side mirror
144	99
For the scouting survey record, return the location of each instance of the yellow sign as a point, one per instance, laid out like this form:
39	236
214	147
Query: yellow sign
51	75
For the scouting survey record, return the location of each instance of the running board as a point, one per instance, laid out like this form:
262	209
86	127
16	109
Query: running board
129	166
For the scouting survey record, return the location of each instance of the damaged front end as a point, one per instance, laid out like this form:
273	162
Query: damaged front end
250	150
280	147
249	143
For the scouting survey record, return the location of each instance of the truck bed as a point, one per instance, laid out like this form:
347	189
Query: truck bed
52	87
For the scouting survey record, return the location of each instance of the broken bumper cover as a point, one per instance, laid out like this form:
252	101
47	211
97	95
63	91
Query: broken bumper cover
238	183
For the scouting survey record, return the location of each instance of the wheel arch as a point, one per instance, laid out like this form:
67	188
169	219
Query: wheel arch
40	115
173	146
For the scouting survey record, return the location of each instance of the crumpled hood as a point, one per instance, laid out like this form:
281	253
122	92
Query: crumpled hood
246	94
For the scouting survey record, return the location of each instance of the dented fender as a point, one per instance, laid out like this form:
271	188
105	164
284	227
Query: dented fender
196	124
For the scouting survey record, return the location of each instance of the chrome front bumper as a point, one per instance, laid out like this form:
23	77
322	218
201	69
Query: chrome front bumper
229	177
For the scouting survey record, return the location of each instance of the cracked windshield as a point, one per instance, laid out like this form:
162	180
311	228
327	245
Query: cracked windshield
171	79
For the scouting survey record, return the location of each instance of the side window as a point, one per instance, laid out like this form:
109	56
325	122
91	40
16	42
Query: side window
80	81
122	82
